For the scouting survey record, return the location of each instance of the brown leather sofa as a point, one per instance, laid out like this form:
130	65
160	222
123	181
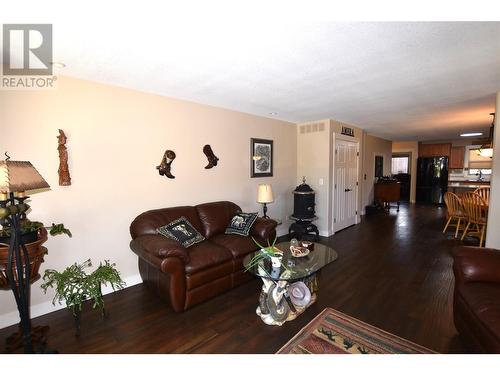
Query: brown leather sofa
188	276
476	305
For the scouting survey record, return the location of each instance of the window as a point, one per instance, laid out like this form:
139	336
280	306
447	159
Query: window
476	171
400	164
476	162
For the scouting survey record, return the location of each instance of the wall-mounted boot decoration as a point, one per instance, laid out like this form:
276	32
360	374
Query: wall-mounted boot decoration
212	159
64	177
164	167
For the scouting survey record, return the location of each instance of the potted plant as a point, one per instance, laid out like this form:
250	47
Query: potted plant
31	230
269	251
33	236
74	286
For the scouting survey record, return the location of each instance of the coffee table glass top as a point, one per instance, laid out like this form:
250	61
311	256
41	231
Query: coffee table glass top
293	268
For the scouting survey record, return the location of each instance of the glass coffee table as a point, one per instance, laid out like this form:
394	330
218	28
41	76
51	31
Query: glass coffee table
289	290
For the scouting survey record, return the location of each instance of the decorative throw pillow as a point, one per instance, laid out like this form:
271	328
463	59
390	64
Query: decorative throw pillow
181	230
241	223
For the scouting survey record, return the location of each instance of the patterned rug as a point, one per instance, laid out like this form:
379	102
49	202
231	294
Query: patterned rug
332	332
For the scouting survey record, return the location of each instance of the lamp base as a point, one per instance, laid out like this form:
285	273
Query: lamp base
265	211
14	343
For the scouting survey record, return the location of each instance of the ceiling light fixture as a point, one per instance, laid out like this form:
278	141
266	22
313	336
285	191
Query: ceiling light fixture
273	113
486	150
471	134
58	64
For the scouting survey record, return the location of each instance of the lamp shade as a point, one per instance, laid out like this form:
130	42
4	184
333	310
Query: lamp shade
20	176
265	194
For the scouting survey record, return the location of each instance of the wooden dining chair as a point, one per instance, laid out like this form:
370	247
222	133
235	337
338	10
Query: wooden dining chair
484	192
476	210
455	212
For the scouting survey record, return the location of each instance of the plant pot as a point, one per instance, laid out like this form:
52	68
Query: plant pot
36	252
276	260
26	238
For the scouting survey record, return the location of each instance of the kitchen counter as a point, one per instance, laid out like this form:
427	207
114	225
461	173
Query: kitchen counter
473	182
462	186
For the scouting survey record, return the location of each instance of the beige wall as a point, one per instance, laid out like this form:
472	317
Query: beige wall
373	146
313	154
315	161
411	147
116	138
493	234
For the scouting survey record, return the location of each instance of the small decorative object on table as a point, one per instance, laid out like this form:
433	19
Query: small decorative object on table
299	251
269	251
307	244
74	286
165	165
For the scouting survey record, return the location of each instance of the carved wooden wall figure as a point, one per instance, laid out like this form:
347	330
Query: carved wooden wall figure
212	159
64	177
166	161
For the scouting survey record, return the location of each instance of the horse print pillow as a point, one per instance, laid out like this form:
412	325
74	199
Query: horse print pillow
241	223
181	230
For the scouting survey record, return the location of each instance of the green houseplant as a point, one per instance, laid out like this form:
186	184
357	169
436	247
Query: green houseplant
269	251
33	235
74	286
30	230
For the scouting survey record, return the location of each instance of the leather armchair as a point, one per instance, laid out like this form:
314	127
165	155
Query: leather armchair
476	305
186	277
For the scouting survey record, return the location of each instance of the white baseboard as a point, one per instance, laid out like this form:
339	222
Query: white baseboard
281	231
43	308
325	233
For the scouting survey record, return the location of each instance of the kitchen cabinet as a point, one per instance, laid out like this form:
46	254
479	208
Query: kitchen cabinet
457	158
428	150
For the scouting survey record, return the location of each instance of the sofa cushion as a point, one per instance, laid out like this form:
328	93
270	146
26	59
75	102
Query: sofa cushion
182	231
483	302
215	216
238	245
147	222
241	223
206	254
207	275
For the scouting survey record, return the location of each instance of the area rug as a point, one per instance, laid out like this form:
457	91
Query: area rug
332	332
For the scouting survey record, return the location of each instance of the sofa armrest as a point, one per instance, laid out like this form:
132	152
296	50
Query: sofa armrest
264	229
159	246
473	264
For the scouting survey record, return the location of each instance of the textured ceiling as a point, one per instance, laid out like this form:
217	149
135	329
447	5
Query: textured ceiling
401	81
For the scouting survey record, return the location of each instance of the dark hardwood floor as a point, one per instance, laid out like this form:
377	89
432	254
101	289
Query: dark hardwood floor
393	271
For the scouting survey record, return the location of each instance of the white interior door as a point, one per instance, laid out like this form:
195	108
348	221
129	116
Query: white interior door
345	184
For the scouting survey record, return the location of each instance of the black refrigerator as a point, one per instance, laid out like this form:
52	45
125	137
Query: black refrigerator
432	179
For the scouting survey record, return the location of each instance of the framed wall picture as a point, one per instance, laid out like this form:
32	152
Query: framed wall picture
261	151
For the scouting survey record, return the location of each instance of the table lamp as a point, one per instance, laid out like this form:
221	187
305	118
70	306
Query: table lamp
264	196
16	177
